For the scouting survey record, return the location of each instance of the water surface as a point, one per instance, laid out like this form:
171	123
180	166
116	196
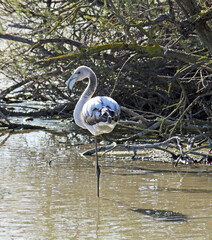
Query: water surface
138	199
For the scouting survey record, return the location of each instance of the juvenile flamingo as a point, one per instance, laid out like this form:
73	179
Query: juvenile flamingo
98	114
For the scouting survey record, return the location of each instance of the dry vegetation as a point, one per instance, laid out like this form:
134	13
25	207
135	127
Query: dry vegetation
153	57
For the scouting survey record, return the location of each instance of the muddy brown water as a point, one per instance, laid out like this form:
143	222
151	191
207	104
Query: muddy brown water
138	199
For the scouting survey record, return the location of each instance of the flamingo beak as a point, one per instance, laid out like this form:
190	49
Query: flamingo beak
71	81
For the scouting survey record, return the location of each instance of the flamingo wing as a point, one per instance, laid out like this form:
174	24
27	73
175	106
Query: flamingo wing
100	109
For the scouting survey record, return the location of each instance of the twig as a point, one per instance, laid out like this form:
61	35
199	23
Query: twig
140	134
17	25
134	114
57	40
6	119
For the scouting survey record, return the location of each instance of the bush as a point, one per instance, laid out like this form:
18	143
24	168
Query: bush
152	56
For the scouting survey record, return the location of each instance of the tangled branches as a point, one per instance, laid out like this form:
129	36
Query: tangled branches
153	58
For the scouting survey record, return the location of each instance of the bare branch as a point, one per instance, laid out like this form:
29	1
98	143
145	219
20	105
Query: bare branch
16	38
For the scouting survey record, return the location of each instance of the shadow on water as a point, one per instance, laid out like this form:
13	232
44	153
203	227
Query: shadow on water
159	215
162	215
156	214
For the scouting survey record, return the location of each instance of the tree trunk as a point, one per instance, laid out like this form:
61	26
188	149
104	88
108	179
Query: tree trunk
191	8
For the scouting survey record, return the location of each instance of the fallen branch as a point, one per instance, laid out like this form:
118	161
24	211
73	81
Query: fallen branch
130	147
182	156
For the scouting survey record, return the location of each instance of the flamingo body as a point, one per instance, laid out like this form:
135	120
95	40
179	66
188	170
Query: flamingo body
100	115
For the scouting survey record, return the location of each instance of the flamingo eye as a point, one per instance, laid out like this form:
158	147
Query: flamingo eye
78	72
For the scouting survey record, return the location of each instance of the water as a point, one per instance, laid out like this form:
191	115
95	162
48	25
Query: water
138	200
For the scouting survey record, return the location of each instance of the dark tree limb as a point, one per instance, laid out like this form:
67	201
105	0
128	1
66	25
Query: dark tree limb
191	8
16	38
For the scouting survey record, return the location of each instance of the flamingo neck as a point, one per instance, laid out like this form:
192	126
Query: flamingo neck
87	94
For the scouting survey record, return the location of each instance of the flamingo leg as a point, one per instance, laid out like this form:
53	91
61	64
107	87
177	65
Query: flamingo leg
97	168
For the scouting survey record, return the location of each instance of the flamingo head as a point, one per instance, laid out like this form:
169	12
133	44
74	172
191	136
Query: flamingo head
79	74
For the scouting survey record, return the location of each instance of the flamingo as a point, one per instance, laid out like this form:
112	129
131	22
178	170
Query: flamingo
98	114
